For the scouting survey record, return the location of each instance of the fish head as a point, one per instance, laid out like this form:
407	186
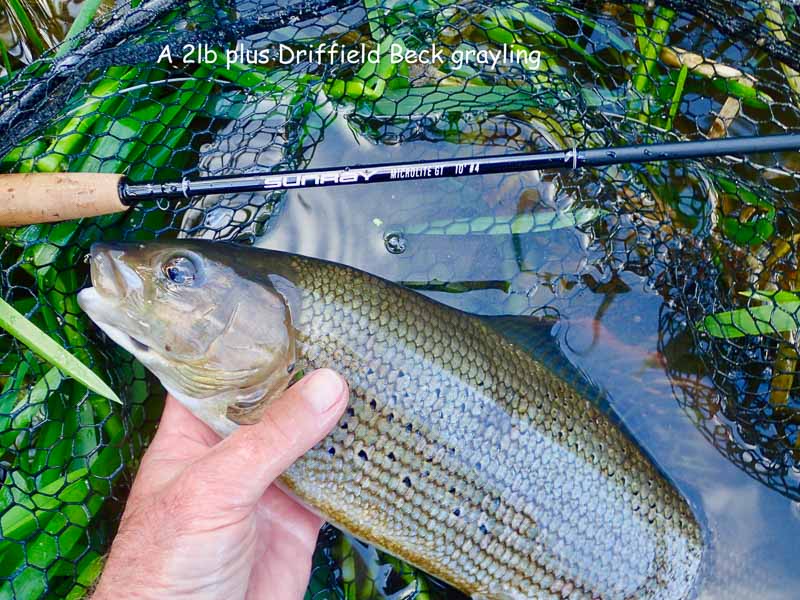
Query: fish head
220	342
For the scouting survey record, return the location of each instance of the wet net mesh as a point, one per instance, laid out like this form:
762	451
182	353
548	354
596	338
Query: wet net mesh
716	238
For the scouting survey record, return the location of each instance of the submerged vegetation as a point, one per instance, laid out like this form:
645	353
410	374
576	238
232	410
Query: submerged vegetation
615	76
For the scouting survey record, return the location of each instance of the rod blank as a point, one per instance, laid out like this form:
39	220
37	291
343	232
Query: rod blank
46	197
131	193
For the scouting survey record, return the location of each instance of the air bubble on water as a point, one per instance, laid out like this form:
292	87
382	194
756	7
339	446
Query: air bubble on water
395	242
216	219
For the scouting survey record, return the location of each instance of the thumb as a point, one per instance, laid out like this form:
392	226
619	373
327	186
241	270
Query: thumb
244	464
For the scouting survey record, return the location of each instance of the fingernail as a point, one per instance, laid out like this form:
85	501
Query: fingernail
322	389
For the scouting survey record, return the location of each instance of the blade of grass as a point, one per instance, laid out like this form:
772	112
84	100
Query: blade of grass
18	415
774	22
38	341
99	101
31	32
778	296
546	31
586	20
677	95
727	79
21	158
753	320
6	60
759	227
370	81
651	40
85	17
121	140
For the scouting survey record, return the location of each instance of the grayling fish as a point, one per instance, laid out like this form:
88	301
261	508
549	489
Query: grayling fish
459	453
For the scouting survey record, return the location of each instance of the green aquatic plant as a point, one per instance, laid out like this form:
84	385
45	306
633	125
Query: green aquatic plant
37	340
780	313
758	227
773	12
86	16
723	77
130	118
650	40
20	14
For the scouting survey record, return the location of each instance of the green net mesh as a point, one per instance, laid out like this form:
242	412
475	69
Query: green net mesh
716	239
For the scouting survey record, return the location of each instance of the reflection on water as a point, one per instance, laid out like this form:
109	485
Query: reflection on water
610	326
361	226
27	27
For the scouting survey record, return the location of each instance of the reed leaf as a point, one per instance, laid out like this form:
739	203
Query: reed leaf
42	344
775	317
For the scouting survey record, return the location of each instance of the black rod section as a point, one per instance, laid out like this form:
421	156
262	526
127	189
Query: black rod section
575	158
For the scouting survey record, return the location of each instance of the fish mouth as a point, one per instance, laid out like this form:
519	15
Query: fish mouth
110	275
112	282
103	312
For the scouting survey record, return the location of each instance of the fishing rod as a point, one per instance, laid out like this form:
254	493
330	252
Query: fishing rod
27	198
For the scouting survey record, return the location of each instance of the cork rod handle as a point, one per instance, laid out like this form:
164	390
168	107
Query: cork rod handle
27	198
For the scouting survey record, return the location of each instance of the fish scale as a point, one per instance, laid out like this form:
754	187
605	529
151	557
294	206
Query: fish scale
459	452
532	492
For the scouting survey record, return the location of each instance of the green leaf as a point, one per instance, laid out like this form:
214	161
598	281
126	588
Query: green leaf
753	320
651	41
31	32
6	61
41	343
85	17
677	95
18	415
759	228
778	296
531	21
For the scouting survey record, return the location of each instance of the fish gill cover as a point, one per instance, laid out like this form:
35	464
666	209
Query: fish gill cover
160	89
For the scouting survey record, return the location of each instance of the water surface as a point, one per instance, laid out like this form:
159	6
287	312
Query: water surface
609	329
51	19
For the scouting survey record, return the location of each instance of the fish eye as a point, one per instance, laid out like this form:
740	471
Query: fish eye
181	270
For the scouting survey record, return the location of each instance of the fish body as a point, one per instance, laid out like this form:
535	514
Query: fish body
459	452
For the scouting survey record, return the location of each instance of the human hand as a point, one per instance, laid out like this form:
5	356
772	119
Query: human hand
204	518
